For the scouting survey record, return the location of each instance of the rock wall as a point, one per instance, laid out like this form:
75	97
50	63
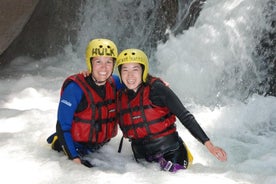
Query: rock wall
43	27
46	26
14	14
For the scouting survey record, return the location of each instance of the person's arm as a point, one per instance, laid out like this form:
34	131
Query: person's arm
118	82
164	96
69	101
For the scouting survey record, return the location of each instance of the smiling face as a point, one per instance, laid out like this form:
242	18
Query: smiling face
102	69
131	75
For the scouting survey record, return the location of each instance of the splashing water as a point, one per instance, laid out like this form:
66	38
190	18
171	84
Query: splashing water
209	66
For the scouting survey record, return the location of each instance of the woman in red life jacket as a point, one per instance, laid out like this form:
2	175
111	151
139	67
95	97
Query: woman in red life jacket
147	111
87	107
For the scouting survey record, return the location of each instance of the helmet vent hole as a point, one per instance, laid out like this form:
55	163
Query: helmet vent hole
101	46
125	54
108	46
133	53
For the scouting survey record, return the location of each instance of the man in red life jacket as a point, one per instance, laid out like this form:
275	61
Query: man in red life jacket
87	107
147	111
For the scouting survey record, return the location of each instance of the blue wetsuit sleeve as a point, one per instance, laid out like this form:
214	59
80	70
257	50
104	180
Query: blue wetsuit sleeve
118	83
68	104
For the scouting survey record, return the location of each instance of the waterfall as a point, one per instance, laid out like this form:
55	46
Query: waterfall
214	60
131	23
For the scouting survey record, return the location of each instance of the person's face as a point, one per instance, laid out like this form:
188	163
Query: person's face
102	68
131	74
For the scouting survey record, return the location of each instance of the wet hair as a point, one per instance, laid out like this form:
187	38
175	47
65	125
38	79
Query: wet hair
149	77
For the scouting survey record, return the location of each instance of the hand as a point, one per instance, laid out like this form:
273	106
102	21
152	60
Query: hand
85	73
77	160
165	82
218	152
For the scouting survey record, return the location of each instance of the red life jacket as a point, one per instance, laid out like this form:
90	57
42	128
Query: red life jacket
96	123
139	118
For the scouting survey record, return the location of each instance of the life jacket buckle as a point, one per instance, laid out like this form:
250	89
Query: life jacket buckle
168	166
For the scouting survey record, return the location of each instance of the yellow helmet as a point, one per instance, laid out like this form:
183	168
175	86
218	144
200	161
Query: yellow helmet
100	47
134	56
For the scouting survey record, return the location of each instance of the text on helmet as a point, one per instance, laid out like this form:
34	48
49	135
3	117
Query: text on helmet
103	52
132	59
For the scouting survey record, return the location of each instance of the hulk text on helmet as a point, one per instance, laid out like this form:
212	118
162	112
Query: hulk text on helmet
100	47
134	56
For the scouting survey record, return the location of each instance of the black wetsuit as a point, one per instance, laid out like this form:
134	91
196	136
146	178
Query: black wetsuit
162	95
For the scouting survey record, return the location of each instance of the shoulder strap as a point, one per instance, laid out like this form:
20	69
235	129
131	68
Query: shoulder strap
121	144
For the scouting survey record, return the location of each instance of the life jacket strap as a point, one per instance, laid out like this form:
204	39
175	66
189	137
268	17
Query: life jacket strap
121	144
